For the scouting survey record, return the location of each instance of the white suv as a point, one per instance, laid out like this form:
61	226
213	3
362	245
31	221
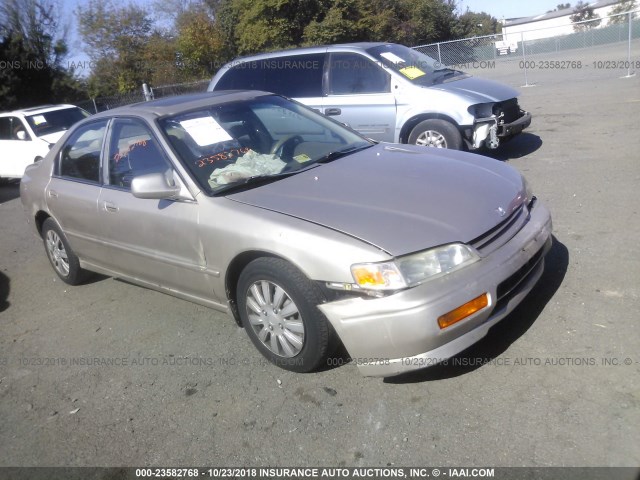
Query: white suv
27	135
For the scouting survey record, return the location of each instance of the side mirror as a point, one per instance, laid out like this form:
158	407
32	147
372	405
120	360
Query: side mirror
21	134
155	185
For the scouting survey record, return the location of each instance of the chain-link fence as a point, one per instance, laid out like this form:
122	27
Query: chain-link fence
100	104
180	89
608	45
466	50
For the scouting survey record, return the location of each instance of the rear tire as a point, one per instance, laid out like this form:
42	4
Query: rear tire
278	309
436	134
64	262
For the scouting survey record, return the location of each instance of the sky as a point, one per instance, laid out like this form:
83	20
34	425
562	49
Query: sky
495	8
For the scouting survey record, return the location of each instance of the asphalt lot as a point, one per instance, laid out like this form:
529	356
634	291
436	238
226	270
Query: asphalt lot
555	384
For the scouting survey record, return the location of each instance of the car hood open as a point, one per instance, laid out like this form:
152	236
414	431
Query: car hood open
399	198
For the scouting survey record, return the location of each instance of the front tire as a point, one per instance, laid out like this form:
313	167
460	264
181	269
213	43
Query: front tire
436	134
63	260
278	309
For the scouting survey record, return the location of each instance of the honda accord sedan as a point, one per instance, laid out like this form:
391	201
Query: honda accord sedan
305	232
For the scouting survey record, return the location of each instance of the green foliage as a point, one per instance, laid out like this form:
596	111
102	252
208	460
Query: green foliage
621	7
473	24
200	44
33	47
583	12
115	36
263	25
341	22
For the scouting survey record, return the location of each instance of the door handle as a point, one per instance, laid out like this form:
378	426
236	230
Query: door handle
110	207
332	111
53	194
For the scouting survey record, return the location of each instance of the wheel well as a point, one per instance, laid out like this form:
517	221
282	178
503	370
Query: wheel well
40	218
233	274
413	121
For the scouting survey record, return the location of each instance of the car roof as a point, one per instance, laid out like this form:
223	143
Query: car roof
360	46
179	103
38	109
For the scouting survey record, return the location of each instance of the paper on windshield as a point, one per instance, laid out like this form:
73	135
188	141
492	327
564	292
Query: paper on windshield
205	131
392	57
39	119
411	72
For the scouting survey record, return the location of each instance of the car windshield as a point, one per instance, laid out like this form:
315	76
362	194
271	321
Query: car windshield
245	143
56	120
415	66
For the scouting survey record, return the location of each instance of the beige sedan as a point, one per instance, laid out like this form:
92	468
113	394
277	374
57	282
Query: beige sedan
305	232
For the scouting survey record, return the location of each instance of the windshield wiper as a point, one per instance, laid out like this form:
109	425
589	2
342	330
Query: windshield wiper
329	157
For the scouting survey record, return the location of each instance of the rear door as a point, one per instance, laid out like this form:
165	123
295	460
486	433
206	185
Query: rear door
358	93
72	194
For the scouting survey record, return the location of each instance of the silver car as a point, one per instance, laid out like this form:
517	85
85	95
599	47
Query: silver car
307	233
387	92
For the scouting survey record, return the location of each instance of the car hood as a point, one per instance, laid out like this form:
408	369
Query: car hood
53	137
478	90
399	198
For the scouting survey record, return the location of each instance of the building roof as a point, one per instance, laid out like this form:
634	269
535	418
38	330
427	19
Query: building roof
509	22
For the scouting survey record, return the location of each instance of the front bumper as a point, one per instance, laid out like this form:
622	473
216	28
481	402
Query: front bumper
515	127
492	131
399	333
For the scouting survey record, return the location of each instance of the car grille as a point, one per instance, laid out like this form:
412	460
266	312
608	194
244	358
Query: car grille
501	233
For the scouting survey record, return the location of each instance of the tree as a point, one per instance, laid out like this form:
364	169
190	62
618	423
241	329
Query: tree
32	43
341	22
409	22
200	43
583	12
263	25
116	37
560	6
474	24
620	8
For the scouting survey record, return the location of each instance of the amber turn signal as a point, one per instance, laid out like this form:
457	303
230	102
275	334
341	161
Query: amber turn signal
463	311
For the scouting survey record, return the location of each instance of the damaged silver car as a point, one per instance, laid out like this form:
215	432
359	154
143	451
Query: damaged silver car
387	92
307	233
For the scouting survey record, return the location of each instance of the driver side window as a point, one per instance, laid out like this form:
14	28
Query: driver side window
133	151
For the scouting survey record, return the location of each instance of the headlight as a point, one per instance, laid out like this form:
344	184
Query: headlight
413	269
378	276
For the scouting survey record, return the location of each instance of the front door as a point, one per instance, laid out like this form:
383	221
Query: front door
156	241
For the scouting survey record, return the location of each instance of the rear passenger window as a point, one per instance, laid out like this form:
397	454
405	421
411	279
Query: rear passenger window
297	76
133	151
350	74
80	156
